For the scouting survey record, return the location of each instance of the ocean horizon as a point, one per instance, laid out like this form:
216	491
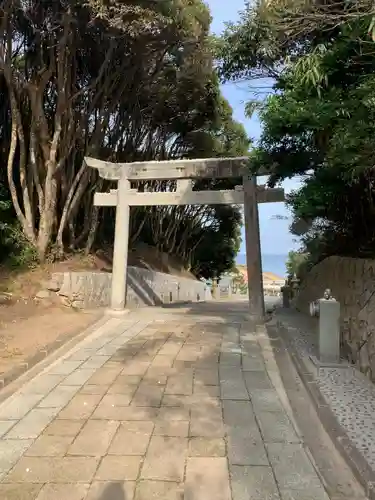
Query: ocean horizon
275	264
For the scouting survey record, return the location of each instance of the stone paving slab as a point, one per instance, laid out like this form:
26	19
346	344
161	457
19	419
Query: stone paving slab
255	483
207	477
158	405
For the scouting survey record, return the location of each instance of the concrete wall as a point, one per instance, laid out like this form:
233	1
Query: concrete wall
352	282
145	287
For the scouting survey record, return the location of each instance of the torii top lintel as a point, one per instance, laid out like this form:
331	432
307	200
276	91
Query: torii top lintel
215	168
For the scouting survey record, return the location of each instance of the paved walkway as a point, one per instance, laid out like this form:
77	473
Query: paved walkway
167	405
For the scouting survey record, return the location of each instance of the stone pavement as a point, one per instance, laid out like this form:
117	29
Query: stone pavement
175	404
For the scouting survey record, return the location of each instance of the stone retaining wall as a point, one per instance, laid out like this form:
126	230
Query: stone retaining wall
352	282
145	288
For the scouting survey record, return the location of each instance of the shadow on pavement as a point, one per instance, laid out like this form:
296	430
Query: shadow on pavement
114	491
192	355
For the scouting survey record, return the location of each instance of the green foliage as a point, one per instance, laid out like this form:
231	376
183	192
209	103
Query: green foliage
295	263
22	254
239	281
120	81
218	247
319	123
15	250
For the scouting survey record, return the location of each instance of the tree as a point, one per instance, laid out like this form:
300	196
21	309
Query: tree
319	121
299	18
121	81
69	69
294	263
329	136
218	245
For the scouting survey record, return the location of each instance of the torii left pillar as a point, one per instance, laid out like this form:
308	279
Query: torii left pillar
120	248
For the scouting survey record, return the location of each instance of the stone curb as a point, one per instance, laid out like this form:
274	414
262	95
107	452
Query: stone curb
357	463
62	341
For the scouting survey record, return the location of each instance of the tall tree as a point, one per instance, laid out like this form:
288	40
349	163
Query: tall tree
122	81
319	121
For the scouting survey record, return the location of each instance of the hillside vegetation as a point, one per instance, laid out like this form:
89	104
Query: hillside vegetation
120	81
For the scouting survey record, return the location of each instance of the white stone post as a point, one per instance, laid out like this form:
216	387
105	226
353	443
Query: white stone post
253	255
120	248
329	330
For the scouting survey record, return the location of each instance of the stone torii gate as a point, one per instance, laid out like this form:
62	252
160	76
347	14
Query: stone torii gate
184	171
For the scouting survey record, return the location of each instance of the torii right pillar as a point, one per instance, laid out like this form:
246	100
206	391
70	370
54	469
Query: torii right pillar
253	254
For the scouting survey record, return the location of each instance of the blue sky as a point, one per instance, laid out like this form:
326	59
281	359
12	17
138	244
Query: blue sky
274	234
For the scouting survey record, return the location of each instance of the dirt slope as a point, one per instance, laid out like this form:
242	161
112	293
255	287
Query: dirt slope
28	324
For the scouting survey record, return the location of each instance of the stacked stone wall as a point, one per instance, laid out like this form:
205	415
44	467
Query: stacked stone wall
145	288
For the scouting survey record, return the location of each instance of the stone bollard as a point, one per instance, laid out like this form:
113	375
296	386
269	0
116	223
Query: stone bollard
328	311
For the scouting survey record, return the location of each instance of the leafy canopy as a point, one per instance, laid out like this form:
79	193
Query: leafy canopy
121	80
319	120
